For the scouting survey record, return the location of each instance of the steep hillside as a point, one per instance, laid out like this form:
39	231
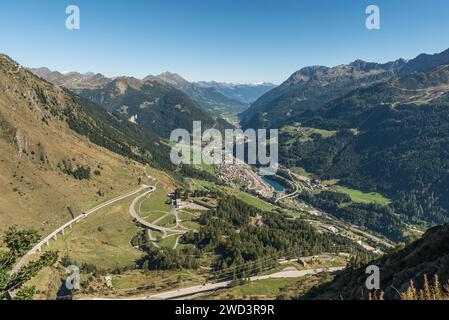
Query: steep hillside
351	110
154	106
72	80
426	62
208	97
215	102
391	138
60	154
311	88
428	256
109	92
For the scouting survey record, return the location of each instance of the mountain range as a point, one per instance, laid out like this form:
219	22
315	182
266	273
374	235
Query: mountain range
155	106
208	97
220	99
152	103
385	118
247	93
72	80
390	137
312	87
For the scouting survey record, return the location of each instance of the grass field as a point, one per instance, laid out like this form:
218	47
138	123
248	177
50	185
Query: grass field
163	178
321	132
194	211
297	133
155	234
187	220
331	182
273	288
156	201
245	197
160	279
300	171
103	239
191	225
363	197
185	216
252	200
182	246
208	168
168	222
292	213
153	216
168	242
262	287
47	283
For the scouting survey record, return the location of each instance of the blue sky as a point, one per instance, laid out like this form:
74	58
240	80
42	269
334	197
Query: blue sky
225	40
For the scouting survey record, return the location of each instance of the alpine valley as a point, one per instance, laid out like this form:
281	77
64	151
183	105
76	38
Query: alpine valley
86	180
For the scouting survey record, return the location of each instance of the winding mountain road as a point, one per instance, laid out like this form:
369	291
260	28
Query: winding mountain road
291	195
185	292
135	215
54	234
220	285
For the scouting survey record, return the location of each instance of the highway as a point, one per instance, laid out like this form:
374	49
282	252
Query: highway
220	285
292	195
135	215
184	292
60	230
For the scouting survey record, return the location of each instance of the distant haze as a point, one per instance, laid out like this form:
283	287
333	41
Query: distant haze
234	41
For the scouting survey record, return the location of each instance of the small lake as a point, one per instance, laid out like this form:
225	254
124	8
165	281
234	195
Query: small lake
277	186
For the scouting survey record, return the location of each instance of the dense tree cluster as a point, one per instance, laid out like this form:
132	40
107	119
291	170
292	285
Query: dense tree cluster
168	259
378	218
112	132
240	233
18	243
243	240
171	109
402	153
206	193
81	173
192	172
385	144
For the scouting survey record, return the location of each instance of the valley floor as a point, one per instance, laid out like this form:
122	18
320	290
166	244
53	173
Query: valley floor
103	240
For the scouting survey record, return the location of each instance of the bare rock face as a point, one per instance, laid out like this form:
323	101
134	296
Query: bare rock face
22	141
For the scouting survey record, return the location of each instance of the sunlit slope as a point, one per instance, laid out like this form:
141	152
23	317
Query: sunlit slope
49	168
